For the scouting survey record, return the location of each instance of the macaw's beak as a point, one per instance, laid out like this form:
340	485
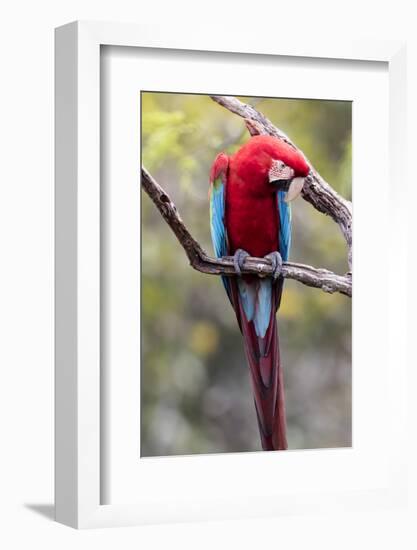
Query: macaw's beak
294	189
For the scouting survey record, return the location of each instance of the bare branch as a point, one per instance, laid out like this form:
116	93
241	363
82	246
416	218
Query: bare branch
316	190
199	260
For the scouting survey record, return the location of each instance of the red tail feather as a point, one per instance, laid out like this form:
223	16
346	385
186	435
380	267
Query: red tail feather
266	373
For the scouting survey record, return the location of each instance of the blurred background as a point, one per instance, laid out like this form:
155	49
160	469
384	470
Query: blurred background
196	395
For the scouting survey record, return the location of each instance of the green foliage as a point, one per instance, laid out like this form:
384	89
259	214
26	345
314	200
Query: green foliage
196	394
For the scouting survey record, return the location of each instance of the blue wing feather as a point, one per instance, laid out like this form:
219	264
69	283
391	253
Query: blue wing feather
284	210
217	209
217	224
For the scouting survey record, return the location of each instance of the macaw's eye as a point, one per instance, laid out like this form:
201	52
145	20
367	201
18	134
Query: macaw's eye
280	174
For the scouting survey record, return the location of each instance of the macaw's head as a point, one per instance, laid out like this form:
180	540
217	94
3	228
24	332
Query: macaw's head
272	165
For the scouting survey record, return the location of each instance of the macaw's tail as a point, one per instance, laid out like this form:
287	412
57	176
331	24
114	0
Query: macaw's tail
255	302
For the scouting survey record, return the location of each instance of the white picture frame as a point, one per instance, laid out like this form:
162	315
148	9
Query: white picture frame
78	293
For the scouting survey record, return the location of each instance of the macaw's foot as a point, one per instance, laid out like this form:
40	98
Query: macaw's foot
276	261
238	260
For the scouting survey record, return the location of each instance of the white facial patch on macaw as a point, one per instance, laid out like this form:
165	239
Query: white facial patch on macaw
294	189
280	171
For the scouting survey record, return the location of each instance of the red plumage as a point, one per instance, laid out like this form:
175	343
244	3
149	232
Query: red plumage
252	223
251	205
266	374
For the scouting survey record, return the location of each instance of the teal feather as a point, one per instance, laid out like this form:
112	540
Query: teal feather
247	293
218	230
284	210
263	307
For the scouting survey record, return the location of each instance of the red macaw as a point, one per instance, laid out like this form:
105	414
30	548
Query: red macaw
250	214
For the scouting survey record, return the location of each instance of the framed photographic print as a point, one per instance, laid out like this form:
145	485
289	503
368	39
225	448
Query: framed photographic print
212	359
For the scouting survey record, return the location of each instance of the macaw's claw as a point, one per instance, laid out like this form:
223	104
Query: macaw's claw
276	261
238	260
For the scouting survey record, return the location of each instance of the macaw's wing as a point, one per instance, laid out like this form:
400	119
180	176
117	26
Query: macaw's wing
284	211
217	194
284	239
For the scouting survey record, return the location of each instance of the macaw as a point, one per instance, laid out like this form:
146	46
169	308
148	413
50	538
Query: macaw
250	215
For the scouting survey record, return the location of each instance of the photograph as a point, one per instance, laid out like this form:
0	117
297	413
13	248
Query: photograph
199	347
245	310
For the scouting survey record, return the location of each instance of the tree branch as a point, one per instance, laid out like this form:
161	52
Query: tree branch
316	190
199	260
